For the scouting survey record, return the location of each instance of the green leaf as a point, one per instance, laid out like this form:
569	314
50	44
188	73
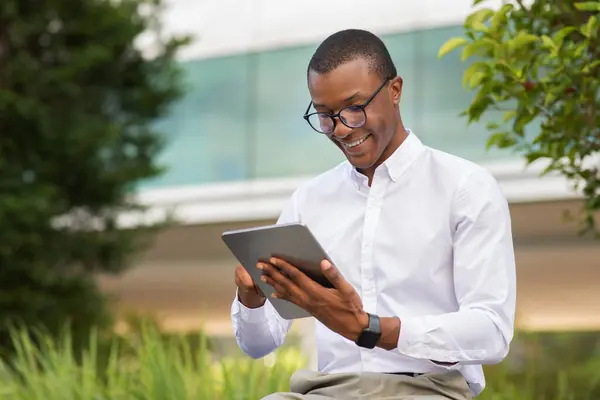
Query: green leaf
521	40
451	44
492	126
478	17
479	105
534	156
589	67
501	51
550	97
547	42
588	6
590	29
501	140
476	79
522	120
508	115
503	66
479	47
500	19
494	139
475	73
560	36
480	27
581	48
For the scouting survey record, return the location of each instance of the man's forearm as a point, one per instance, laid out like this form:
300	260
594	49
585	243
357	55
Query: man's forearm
390	332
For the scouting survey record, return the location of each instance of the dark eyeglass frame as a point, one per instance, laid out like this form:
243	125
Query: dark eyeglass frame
336	116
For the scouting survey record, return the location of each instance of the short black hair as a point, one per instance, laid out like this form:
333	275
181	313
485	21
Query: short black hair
349	45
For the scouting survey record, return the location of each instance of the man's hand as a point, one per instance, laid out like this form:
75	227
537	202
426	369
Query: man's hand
340	309
249	294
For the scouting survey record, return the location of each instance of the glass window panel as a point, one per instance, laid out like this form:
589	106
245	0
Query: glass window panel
206	130
242	117
285	144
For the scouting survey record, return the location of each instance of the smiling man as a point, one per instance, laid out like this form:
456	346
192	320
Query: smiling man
421	240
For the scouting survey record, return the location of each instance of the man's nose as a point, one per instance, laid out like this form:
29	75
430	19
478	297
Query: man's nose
341	131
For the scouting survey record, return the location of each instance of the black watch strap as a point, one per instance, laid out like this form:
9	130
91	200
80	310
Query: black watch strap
370	336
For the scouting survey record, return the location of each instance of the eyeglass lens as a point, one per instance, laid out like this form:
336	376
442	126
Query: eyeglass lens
352	117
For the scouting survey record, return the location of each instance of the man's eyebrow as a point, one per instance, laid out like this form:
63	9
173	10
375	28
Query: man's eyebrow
346	100
350	98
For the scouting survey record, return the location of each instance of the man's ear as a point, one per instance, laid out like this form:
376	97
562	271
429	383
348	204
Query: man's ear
396	86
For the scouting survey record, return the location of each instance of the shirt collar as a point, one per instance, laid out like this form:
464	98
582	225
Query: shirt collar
398	162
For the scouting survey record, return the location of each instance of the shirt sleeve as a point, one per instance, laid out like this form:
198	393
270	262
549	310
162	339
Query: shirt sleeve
259	331
481	330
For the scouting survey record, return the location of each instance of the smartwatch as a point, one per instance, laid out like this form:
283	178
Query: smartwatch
371	334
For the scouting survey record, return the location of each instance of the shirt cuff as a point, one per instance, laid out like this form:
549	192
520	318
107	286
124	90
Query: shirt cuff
411	343
410	340
251	315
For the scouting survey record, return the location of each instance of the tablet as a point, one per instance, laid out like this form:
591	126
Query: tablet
293	243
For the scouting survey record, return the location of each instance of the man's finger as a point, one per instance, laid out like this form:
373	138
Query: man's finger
280	291
277	277
243	279
294	274
337	280
291	291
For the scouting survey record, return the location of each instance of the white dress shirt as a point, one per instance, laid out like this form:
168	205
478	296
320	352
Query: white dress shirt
429	242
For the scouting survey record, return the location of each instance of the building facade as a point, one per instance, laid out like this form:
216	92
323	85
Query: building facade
238	146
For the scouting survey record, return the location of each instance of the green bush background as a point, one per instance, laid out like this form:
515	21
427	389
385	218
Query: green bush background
147	364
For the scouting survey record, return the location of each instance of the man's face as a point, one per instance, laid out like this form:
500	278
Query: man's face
352	84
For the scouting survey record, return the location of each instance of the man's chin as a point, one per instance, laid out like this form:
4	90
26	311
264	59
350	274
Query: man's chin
365	159
361	162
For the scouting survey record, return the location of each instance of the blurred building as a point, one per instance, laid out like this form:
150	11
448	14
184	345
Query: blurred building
238	146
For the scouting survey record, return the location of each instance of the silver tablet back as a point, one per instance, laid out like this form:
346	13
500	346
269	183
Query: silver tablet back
291	242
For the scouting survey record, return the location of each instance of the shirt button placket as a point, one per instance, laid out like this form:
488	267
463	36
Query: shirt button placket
372	214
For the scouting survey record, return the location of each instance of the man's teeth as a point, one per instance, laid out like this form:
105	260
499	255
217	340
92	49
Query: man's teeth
356	143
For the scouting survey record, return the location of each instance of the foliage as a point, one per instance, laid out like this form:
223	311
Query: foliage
547	366
540	66
147	365
143	367
78	101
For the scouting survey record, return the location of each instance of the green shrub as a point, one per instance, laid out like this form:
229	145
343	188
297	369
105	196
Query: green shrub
145	367
79	102
547	366
150	365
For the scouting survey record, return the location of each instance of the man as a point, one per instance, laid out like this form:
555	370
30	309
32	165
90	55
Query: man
421	240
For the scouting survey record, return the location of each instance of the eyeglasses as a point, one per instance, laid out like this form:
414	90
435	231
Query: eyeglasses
352	116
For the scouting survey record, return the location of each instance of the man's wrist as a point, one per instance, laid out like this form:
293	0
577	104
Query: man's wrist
390	332
362	323
250	300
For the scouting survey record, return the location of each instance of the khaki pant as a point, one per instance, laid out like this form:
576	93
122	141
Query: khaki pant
308	385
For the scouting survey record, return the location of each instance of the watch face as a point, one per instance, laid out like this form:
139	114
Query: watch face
368	339
370	336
